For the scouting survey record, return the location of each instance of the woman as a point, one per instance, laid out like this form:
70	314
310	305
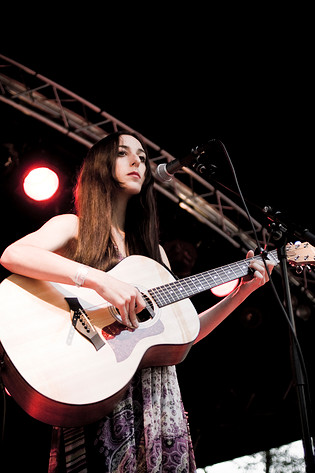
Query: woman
116	217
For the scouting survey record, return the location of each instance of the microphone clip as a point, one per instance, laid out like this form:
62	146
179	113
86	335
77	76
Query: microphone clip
201	165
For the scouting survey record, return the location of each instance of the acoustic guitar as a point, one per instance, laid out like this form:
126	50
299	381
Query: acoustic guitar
67	359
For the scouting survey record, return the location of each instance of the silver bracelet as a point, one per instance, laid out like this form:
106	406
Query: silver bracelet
81	274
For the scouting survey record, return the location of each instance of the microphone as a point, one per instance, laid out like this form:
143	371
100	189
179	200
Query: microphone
165	171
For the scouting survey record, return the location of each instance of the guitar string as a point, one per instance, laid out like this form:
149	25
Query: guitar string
171	293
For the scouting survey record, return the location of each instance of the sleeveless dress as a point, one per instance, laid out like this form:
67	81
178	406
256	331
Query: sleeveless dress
147	432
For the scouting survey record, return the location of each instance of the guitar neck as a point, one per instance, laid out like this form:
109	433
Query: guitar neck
192	285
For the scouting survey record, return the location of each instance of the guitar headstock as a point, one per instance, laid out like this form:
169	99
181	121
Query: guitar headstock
300	254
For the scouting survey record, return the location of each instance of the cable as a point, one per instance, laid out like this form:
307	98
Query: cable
263	255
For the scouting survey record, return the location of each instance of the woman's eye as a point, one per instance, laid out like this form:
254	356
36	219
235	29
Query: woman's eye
143	158
121	152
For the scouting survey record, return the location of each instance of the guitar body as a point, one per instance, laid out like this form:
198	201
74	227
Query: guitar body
57	375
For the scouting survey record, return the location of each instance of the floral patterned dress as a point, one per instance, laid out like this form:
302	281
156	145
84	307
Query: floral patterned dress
147	432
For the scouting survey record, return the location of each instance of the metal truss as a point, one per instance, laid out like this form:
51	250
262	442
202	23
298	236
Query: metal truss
61	109
37	96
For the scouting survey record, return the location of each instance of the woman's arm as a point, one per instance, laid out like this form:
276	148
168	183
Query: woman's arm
212	317
37	255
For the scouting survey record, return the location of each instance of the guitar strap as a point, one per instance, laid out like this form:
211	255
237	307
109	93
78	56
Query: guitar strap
169	270
71	458
75	450
55	453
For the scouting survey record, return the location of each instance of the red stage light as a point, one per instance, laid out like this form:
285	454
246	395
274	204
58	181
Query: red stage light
225	289
41	183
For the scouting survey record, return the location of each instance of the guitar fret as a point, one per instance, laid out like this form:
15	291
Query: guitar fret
169	293
192	285
197	283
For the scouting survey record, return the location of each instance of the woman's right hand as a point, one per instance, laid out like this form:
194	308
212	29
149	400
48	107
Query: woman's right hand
125	297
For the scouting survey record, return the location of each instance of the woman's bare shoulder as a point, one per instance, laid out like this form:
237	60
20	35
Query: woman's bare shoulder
69	220
64	222
53	234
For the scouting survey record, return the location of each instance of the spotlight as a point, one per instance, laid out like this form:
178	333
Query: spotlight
41	183
225	289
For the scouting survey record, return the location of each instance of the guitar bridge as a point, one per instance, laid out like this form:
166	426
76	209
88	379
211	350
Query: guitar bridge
81	322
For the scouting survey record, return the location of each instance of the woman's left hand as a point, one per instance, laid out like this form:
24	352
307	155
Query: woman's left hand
260	275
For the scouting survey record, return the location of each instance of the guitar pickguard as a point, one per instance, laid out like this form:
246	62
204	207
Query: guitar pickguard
123	340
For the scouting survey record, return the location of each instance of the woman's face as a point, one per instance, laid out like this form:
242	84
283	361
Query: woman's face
130	165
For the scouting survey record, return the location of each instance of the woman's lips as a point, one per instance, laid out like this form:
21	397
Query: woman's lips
135	174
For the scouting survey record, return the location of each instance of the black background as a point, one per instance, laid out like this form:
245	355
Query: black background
244	77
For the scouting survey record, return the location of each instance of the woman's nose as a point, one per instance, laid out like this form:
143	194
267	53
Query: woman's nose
135	160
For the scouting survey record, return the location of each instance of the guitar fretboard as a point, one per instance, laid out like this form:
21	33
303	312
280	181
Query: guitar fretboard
192	285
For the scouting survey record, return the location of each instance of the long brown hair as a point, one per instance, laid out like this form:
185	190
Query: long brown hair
94	193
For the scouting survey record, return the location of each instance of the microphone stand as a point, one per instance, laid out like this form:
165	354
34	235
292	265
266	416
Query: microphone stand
297	370
278	230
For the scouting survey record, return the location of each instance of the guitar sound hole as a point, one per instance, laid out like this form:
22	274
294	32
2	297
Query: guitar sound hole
148	312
